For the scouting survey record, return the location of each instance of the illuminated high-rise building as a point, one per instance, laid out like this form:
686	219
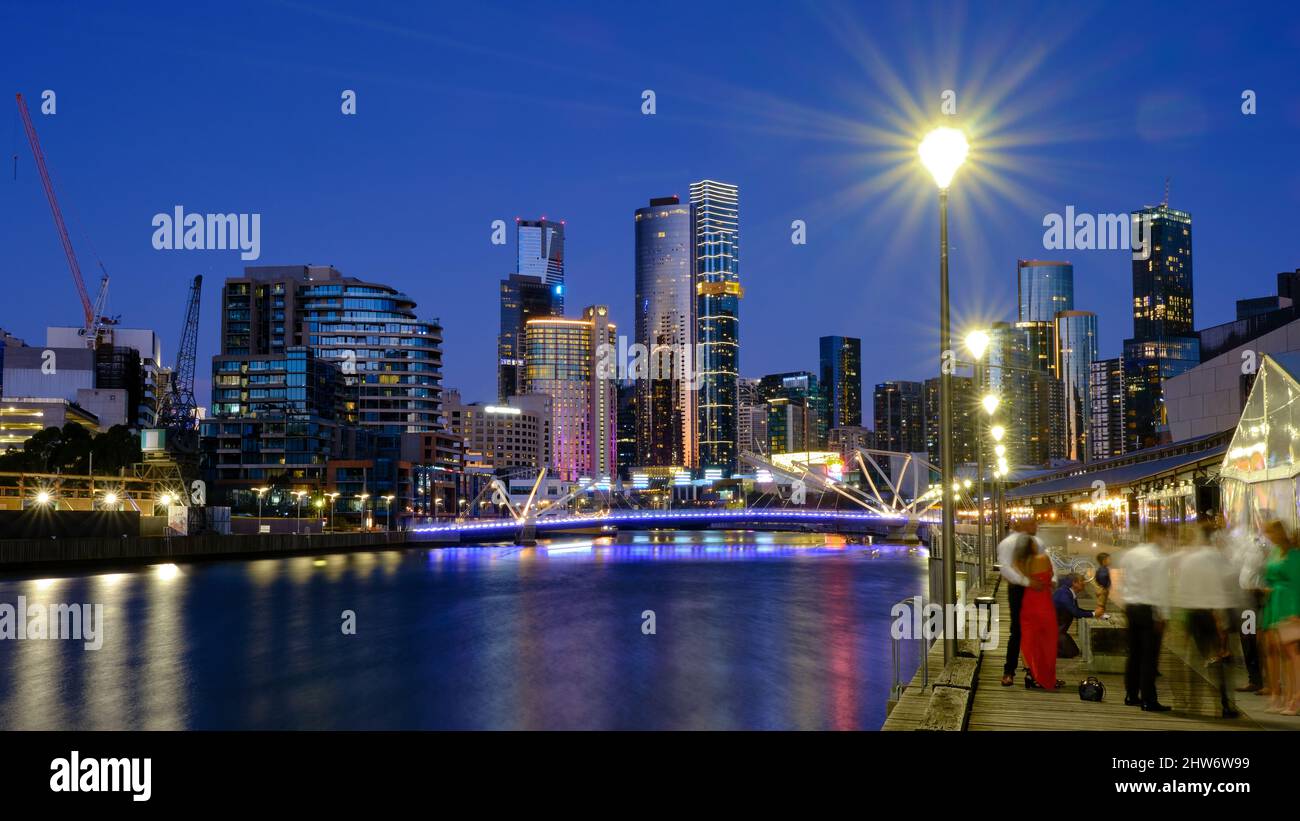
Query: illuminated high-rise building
523	297
1043	289
1076	350
1164	343
841	378
561	361
541	254
665	326
715	230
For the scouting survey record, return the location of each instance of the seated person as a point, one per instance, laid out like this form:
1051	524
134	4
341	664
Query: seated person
1066	599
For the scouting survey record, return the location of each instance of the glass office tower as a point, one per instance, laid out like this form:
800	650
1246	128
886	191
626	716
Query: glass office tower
841	372
665	326
1076	333
541	254
1164	343
523	297
715	229
1043	289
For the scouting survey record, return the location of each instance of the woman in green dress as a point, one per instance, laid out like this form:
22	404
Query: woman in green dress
1280	620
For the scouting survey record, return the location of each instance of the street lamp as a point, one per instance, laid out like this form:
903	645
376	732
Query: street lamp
977	342
299	494
332	496
110	501
942	152
260	491
388	512
365	509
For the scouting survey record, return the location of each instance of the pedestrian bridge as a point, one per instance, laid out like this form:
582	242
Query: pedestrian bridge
848	522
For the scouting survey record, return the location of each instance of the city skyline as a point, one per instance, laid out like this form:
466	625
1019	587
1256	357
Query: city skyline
1167	131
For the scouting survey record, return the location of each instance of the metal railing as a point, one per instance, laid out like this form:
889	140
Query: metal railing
900	656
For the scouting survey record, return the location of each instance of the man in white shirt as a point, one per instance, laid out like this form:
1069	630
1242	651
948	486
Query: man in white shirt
1144	589
1204	584
1016	583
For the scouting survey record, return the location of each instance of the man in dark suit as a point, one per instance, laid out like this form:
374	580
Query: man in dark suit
1066	599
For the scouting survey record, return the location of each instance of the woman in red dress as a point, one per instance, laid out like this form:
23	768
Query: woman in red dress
1038	618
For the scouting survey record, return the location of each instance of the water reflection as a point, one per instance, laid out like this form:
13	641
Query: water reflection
753	630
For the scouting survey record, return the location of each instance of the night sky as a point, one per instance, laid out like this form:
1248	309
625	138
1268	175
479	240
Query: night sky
471	112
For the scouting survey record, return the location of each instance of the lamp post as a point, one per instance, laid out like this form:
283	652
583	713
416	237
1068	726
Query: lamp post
942	152
261	491
977	342
332	497
365	510
388	512
997	432
299	494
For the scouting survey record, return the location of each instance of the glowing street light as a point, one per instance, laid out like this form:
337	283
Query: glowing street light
942	152
110	500
299	494
990	403
997	432
261	491
43	498
388	512
1000	450
977	342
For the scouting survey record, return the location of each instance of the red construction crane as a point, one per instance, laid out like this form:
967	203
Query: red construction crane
94	316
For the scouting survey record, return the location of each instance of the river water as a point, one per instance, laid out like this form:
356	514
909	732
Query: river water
750	631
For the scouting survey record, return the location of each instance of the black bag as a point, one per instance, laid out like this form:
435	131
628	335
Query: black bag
1091	689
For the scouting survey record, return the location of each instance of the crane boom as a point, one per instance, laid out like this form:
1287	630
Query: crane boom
91	317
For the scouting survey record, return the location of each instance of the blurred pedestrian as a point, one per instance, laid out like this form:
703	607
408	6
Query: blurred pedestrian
1204	585
1022	532
1066	601
1281	620
1144	591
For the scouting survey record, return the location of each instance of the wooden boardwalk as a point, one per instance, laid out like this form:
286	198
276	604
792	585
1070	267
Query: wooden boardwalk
1185	688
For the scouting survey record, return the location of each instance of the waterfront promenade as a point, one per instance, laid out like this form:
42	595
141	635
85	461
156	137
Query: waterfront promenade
1184	684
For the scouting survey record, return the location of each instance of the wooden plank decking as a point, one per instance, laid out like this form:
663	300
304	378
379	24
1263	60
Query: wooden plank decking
1184	687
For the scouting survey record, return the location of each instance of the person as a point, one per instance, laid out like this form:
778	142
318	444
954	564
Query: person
1017	583
1249	554
1066	601
1038	628
1102	580
1281	620
1144	591
1204	586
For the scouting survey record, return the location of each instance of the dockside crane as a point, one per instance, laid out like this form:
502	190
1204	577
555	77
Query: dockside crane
95	323
179	413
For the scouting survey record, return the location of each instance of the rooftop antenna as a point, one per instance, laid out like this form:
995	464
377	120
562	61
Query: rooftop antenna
1166	202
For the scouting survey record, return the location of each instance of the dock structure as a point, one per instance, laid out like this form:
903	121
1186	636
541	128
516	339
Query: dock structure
1183	684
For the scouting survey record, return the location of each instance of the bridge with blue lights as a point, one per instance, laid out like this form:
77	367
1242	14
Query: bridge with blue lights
846	522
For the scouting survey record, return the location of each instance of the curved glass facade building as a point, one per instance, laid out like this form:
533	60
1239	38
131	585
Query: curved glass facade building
665	326
1043	289
715	226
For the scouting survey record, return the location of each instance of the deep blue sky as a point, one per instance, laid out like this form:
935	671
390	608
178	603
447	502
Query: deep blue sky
471	112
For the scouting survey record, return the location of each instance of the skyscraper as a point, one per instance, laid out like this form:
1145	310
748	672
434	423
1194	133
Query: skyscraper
715	230
1076	333
900	416
1043	289
523	297
965	406
841	372
1106	421
1164	343
665	326
1008	375
561	361
540	246
798	389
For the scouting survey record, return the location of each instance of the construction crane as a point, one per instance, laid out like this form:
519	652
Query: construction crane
178	414
94	318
